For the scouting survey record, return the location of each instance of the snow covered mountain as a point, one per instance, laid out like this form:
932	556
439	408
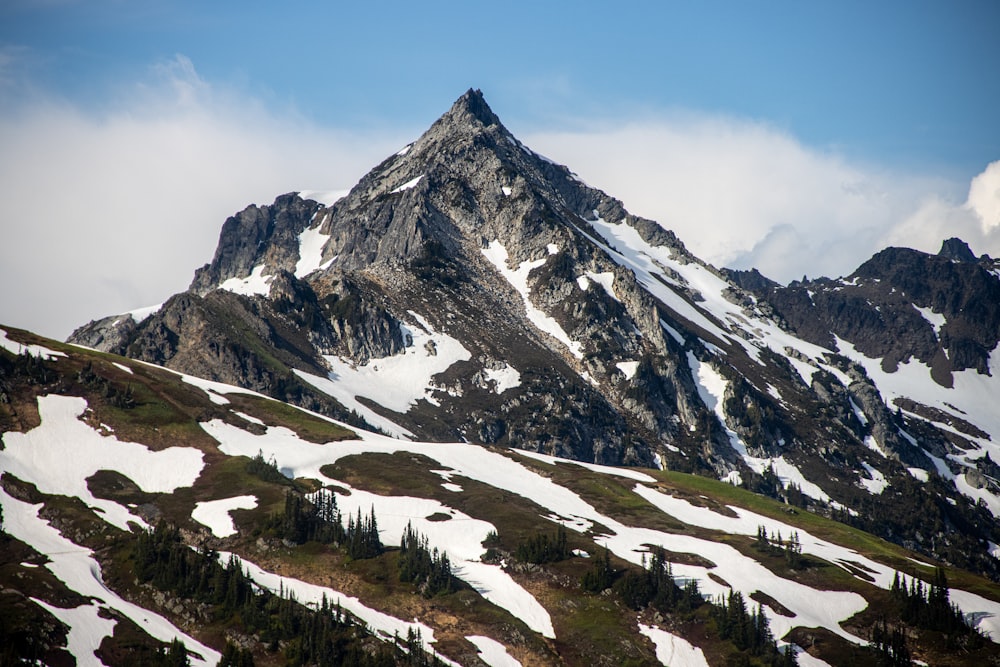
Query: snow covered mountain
150	517
469	289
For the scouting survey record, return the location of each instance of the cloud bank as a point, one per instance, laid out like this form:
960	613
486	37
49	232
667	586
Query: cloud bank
104	212
743	194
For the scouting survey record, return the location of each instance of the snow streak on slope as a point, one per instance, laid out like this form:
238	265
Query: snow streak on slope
496	253
311	243
395	382
215	513
972	398
388	627
62	452
492	652
657	269
75	566
712	389
34	350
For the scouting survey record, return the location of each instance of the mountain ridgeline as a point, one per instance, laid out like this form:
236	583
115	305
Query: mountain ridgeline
469	289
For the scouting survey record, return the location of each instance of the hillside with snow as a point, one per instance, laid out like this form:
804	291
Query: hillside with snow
549	560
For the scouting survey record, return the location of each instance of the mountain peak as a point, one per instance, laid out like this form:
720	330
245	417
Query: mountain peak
472	106
957	249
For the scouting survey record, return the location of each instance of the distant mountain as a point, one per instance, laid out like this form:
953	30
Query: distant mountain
155	518
468	289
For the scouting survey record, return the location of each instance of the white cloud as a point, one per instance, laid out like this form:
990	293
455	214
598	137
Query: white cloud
742	194
105	213
984	197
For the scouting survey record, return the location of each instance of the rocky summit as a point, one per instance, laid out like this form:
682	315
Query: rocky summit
468	289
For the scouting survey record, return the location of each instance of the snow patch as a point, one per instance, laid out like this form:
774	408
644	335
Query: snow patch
605	280
503	378
325	197
877	482
628	368
215	513
673	650
395	382
506	191
254	284
409	185
919	473
936	320
492	652
311	244
139	315
122	367
75	566
496	253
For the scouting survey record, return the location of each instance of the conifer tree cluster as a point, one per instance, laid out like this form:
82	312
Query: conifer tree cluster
304	636
314	520
930	608
656	587
791	549
361	537
543	548
429	570
749	631
266	469
115	395
889	645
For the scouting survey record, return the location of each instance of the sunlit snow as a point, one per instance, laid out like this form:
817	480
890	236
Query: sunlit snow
673	650
215	513
503	378
492	652
409	185
254	284
311	243
396	382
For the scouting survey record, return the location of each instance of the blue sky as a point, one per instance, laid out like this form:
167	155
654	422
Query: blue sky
770	123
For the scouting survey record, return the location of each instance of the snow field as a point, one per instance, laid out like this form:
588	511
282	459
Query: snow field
215	513
496	253
460	537
812	607
312	595
75	567
409	185
396	382
62	452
